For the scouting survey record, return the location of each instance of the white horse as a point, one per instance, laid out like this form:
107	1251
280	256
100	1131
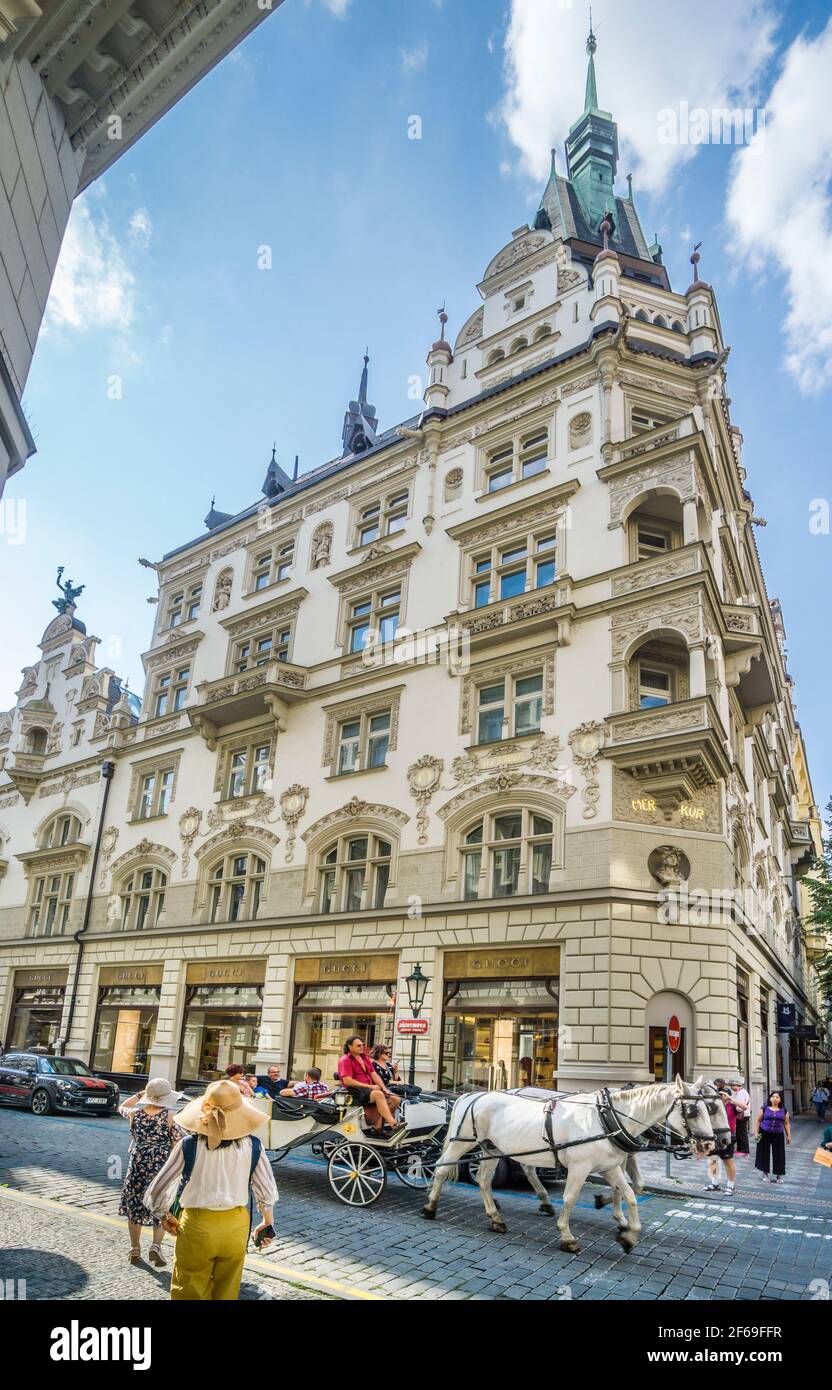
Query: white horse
512	1126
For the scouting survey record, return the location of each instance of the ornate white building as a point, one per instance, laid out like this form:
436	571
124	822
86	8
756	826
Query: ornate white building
80	82
498	692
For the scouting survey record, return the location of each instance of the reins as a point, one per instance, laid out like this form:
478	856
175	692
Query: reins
610	1118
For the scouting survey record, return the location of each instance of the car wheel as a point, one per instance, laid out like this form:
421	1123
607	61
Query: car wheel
42	1102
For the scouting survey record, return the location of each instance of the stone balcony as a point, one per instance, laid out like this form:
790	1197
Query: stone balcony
264	690
26	771
674	750
550	609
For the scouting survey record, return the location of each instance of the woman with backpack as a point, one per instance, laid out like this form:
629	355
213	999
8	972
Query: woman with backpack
201	1195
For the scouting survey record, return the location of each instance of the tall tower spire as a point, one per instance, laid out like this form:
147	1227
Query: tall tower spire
360	429
591	98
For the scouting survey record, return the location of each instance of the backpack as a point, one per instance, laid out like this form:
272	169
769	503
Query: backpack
189	1150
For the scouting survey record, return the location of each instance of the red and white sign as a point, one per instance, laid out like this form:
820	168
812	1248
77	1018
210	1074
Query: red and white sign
674	1033
412	1027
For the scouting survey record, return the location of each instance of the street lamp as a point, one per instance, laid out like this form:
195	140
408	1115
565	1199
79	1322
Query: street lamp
417	988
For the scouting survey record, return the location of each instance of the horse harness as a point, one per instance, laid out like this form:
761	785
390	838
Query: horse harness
652	1140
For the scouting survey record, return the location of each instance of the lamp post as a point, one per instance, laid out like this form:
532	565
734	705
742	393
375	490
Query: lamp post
417	988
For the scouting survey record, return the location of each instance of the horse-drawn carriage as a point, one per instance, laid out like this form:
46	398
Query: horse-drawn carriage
359	1159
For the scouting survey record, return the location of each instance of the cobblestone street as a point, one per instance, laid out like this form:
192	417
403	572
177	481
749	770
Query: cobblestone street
764	1243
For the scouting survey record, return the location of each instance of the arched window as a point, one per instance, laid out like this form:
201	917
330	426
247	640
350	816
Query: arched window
63	829
519	344
143	898
235	887
353	873
660	321
36	741
642	316
544	331
505	854
677	326
494	357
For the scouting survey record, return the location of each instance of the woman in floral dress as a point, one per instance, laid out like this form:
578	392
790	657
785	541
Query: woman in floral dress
153	1134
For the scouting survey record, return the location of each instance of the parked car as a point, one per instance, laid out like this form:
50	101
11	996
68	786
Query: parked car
46	1084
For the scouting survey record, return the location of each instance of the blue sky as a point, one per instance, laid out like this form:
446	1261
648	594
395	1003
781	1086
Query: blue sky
299	142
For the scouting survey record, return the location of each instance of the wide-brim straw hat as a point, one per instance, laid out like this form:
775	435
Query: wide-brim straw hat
160	1093
222	1113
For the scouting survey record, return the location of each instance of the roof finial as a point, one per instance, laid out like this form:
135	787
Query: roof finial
297	466
362	388
694	260
274	452
443	319
606	229
591	97
629	188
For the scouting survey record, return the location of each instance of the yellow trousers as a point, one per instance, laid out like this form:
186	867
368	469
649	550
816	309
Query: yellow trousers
210	1250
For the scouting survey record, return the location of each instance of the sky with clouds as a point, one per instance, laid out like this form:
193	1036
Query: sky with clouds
170	359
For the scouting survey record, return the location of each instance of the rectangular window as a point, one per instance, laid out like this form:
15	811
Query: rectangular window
376	617
526	456
644	418
184	605
50	904
654	687
363	742
155	792
249	769
492	710
384	517
171	691
259	651
521	696
271	565
506	571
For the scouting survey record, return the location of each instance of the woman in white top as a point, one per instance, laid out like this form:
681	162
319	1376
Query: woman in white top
212	1225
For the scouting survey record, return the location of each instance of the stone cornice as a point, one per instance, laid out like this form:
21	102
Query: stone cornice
506	519
395	562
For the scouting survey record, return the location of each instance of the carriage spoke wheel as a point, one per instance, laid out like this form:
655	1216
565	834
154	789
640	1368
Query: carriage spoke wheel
356	1174
419	1169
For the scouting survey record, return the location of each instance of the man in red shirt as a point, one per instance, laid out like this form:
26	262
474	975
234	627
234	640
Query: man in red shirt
365	1086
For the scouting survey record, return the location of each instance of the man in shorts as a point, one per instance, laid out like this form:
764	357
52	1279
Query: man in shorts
357	1073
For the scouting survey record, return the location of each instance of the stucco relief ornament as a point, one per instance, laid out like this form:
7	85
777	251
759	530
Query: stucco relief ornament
669	865
423	779
108	846
189	823
222	590
586	743
292	806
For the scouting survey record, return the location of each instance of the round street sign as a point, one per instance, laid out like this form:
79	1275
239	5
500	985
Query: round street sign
674	1033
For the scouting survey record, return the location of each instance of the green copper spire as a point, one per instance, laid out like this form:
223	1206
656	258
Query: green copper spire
592	150
591	98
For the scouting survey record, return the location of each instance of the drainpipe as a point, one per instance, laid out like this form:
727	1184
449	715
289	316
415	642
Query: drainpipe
107	770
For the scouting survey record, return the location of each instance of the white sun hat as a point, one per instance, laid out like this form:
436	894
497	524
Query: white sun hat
160	1092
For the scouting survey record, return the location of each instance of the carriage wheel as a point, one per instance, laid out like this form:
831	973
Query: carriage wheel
328	1146
420	1168
356	1174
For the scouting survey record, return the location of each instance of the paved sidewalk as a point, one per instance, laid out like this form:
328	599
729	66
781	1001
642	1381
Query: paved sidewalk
806	1186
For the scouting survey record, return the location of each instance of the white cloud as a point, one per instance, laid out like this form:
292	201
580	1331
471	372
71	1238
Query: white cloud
780	204
141	228
93	287
414	59
650	57
337	7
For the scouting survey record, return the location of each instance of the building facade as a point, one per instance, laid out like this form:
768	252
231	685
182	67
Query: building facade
80	82
498	692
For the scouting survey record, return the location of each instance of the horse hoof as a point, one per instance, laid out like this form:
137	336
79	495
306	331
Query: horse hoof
546	1209
600	1201
571	1247
499	1226
429	1213
626	1240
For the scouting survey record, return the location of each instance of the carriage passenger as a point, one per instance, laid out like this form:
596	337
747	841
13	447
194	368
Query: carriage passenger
310	1088
384	1065
357	1072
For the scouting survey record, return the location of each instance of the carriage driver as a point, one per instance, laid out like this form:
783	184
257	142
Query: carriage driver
366	1087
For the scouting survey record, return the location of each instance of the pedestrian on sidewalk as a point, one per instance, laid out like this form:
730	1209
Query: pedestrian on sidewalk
726	1155
742	1104
774	1132
153	1133
820	1100
209	1176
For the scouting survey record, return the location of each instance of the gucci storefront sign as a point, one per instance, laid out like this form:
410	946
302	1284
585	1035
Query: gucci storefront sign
377	969
542	962
238	972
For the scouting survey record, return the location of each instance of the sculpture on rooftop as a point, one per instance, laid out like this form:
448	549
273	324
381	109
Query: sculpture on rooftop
70	593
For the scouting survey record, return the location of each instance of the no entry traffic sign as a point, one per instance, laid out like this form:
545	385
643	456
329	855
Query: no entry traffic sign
674	1033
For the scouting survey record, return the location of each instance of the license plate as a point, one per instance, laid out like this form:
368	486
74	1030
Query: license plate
96	1100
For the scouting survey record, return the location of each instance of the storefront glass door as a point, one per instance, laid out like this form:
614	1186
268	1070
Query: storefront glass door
498	1052
212	1041
36	1020
327	1015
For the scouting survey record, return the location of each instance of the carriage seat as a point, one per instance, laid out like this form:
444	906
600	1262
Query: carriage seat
322	1111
